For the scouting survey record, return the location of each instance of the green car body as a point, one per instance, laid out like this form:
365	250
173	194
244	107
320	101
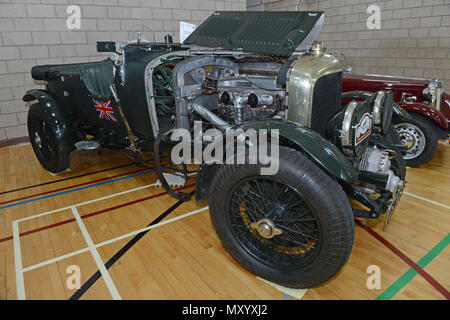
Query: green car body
72	89
294	226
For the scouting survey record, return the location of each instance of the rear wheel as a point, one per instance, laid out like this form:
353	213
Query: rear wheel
294	228
44	142
420	139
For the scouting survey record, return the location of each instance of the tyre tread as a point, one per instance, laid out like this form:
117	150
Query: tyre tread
341	218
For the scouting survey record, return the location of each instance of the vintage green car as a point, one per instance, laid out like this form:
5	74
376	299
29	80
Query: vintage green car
258	72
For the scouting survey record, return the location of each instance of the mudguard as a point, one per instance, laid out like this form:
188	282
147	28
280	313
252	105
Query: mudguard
427	111
323	153
58	117
400	114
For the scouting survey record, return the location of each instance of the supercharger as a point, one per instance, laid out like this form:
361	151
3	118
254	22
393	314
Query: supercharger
379	161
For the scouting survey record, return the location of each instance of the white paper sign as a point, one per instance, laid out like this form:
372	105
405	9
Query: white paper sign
185	30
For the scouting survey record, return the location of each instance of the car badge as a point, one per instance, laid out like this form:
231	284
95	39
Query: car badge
363	128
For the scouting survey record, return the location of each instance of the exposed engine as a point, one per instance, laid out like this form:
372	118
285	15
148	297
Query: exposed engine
377	161
239	107
226	90
235	90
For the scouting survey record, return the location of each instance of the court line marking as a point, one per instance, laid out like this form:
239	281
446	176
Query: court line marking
285	296
123	250
74	177
409	275
20	285
82	188
289	292
47	262
92	201
405	259
86	202
133	233
16	237
427	200
297	293
98	260
74	185
54	225
104	243
404	279
69	187
114	239
77	189
86	249
64	179
98	245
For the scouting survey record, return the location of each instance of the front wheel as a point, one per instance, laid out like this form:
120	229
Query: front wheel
420	139
294	228
44	142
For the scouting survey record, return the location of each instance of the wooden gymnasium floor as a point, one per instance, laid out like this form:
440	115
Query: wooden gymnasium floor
183	259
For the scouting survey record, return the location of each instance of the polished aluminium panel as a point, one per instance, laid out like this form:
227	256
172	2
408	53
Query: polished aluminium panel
347	124
305	72
377	107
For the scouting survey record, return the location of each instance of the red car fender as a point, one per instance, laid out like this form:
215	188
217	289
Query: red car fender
426	111
445	105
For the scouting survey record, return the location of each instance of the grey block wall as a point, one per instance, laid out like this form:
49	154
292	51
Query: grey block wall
414	39
34	32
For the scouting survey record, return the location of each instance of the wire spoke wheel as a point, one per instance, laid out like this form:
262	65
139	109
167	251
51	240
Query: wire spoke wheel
294	228
273	222
413	137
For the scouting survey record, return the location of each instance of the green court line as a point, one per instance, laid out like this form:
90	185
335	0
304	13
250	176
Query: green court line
411	273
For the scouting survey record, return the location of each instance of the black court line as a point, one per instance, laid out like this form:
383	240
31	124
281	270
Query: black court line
65	179
90	282
74	177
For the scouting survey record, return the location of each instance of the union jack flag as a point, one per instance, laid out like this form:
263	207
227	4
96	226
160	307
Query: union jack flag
104	110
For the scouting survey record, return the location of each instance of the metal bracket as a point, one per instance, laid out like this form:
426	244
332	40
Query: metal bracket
182	196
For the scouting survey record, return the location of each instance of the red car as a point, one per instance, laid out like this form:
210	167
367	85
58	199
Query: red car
424	99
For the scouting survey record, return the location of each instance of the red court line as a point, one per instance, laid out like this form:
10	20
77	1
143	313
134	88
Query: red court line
77	185
70	187
408	261
377	236
92	214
